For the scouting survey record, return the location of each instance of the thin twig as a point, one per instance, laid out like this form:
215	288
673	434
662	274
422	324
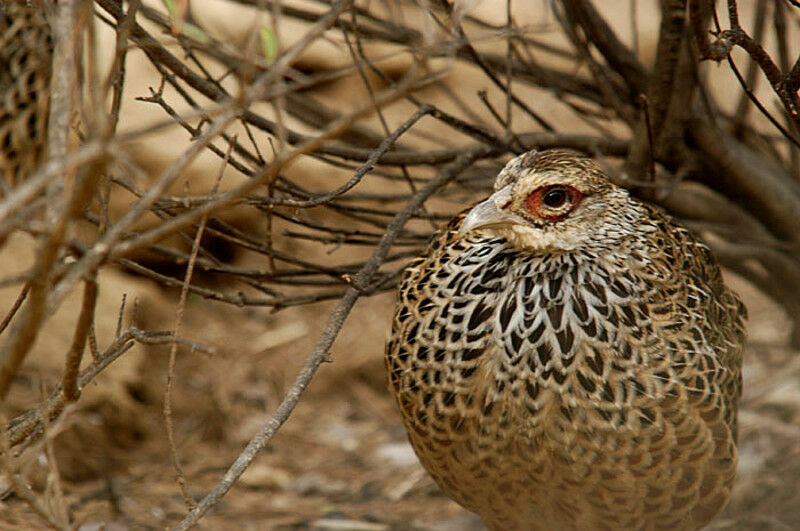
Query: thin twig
743	106
266	175
55	489
69	381
737	36
650	143
27	427
173	351
320	353
116	75
14	307
21	487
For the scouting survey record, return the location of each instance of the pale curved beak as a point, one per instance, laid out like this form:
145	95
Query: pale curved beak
489	213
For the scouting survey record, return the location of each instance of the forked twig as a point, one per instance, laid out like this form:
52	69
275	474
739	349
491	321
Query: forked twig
320	353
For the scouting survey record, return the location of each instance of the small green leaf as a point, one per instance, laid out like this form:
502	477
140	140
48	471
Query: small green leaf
269	44
194	32
172	9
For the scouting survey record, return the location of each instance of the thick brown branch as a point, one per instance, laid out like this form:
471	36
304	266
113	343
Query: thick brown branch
69	382
661	87
766	187
599	33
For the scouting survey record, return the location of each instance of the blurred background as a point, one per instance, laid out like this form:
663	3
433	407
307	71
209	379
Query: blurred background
247	175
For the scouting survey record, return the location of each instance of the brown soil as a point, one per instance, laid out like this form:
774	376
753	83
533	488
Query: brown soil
342	460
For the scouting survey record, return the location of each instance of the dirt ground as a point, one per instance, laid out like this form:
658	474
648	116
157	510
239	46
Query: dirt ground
342	461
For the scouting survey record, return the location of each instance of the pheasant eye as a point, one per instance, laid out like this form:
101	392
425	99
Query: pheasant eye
553	202
555	197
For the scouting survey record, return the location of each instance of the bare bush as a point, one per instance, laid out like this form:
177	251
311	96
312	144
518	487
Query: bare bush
415	151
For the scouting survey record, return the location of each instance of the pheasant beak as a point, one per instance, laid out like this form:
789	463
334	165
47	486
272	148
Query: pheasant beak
489	213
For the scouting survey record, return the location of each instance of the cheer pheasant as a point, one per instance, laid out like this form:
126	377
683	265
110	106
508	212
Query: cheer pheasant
567	357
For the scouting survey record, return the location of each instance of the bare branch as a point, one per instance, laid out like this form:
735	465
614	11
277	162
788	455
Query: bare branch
598	32
773	192
69	381
25	331
661	87
322	348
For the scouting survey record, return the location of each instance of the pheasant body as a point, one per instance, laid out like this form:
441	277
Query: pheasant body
554	379
26	49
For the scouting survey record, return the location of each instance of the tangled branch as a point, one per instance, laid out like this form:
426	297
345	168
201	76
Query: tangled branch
660	129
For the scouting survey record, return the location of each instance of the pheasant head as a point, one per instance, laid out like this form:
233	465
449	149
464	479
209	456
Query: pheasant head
555	201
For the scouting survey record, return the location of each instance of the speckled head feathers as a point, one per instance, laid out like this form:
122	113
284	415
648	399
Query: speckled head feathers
556	201
552	162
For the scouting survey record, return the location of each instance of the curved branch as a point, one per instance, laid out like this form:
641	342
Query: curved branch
619	56
661	90
320	353
767	188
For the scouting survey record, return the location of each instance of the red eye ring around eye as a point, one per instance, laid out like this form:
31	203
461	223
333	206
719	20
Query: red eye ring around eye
549	202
